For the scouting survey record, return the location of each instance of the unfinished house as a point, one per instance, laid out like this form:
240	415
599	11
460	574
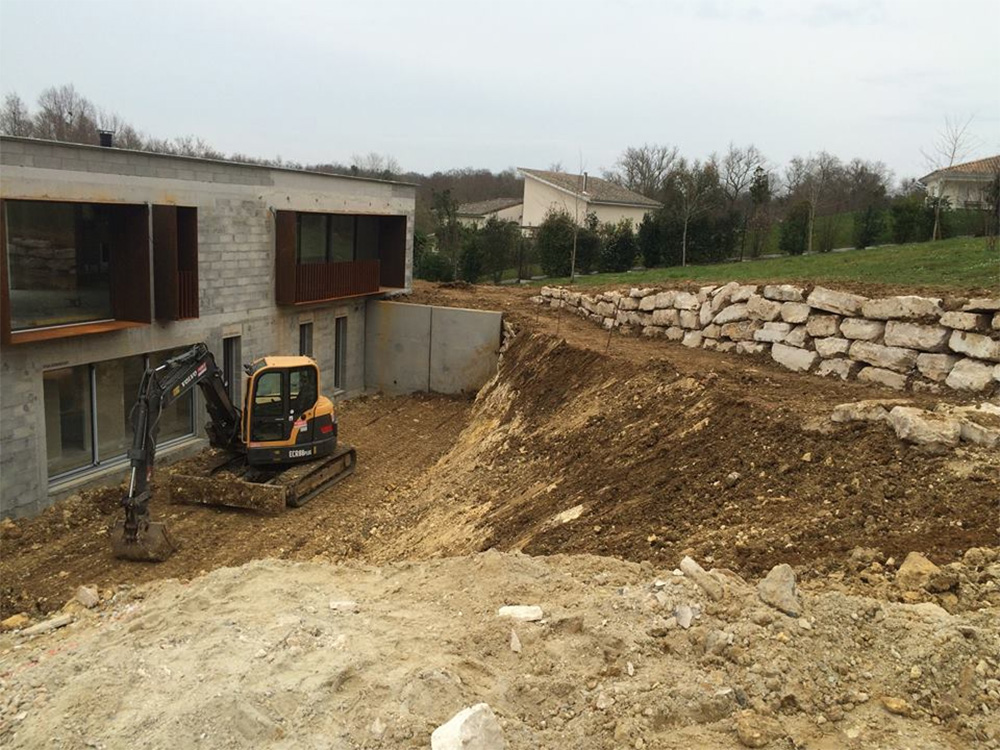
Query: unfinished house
113	260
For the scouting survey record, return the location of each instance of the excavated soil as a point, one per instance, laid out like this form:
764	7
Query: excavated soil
585	443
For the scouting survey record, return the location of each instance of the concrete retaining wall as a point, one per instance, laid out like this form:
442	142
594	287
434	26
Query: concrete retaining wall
425	348
904	342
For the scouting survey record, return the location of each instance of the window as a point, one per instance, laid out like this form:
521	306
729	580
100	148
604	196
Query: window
302	390
231	370
340	354
69	264
306	339
88	412
269	421
329	238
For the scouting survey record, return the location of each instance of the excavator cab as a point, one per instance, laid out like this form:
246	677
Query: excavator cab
285	419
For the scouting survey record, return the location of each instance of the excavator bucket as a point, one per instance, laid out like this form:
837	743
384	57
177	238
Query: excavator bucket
151	543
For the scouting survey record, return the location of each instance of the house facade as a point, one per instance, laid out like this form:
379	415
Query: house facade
113	260
963	185
477	214
579	195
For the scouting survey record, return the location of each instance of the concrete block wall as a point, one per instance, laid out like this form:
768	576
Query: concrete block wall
235	205
903	342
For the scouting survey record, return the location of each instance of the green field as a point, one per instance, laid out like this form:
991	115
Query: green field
960	263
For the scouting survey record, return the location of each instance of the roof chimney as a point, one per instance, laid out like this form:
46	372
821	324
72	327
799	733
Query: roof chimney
107	138
585	176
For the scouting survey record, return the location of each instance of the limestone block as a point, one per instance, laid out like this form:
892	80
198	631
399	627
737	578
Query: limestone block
686	301
743	293
983	304
966	321
861	329
842	303
799	337
845	369
732	313
726	346
783	293
692	339
795	359
831	346
970	375
759	308
606	309
709	343
689	319
741	330
996	322
473	728
924	427
665	317
640	293
882	377
706	313
772	332
664	299
711	332
705	292
916	336
652	331
675	333
936	366
888	357
907	307
648	303
722	295
746	347
975	345
628	303
869	410
795	312
823	325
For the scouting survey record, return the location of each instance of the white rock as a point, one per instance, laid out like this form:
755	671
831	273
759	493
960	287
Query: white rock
783	292
924	427
778	589
973	431
344	605
823	325
883	377
966	321
665	317
831	346
975	345
887	357
87	596
684	615
651	331
742	330
648	303
515	642
523	612
722	295
906	307
473	728
861	329
743	293
628	303
731	314
675	333
692	339
706	313
744	347
798	360
970	375
710	344
795	312
916	336
841	303
700	576
798	336
689	319
936	366
759	308
996	322
844	369
53	623
983	304
772	332
686	301
711	332
869	410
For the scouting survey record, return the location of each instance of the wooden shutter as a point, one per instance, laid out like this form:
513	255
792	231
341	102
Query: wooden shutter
165	277
284	257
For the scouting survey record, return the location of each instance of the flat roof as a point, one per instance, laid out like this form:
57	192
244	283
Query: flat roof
197	159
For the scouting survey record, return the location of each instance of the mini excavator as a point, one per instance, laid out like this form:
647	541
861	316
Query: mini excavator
280	450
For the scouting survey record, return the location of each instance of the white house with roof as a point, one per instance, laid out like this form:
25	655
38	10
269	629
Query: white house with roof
579	195
964	185
505	209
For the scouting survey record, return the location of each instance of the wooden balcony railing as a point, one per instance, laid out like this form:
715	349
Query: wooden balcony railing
315	282
187	293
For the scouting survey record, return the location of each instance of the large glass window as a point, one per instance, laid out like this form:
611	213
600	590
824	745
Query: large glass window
341	238
312	238
59	262
95	401
327	238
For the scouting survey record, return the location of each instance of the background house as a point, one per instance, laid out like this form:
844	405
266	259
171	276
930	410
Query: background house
964	185
578	195
477	214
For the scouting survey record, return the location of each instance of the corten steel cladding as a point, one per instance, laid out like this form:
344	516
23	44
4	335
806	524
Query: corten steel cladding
152	543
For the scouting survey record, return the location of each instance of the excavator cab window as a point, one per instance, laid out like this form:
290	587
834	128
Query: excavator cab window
269	422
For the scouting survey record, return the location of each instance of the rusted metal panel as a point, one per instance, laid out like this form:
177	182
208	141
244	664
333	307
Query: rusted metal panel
165	280
187	262
130	293
62	332
392	251
315	282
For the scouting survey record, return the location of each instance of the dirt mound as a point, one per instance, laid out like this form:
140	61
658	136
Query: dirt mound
570	451
309	655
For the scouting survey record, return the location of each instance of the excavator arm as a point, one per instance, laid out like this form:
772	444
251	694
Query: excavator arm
136	537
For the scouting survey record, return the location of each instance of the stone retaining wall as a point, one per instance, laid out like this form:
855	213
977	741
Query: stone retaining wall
909	342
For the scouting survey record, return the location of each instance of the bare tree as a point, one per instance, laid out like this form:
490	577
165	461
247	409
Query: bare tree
644	169
811	178
125	136
736	174
698	189
15	119
66	115
374	164
952	146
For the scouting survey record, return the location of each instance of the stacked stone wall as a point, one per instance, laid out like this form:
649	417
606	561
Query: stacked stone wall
903	342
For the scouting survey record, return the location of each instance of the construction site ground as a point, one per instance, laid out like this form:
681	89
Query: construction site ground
585	444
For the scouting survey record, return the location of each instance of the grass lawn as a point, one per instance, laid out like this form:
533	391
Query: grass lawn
962	262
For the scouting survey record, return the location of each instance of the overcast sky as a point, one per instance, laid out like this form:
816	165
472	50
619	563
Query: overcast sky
452	83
